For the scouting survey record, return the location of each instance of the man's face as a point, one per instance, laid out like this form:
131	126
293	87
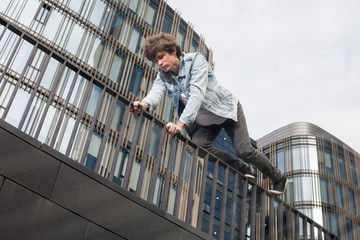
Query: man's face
167	61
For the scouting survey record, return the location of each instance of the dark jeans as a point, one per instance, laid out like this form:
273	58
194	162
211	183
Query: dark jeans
238	132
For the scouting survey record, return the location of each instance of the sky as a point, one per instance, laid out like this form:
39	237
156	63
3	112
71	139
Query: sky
286	61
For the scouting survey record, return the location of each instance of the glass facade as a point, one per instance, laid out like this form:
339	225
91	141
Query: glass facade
323	175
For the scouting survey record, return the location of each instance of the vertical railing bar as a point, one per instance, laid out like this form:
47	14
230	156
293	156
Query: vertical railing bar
78	118
242	215
92	126
11	55
51	95
213	197
202	194
297	228
271	217
304	228
180	178
145	157
156	166
312	233
223	203
58	125
262	215
18	83
288	223
132	151
191	186
37	84
106	134
5	28
320	231
167	183
253	213
280	220
326	235
233	206
118	141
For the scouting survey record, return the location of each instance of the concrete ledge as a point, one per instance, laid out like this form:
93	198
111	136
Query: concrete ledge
46	195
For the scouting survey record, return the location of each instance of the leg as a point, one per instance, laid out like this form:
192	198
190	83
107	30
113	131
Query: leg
204	136
239	135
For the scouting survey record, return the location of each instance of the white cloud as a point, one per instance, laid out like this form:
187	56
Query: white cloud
289	61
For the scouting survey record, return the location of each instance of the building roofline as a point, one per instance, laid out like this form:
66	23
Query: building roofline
296	129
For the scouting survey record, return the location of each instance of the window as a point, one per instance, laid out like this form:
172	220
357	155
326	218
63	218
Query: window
134	40
353	171
135	80
352	201
93	100
324	188
328	162
342	167
150	15
349	229
280	160
339	195
116	68
94	147
166	25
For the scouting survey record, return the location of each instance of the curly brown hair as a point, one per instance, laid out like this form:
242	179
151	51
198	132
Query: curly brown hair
161	42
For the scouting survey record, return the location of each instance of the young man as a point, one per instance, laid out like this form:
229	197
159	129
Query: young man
204	107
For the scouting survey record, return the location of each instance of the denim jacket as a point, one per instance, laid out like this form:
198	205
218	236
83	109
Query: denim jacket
197	81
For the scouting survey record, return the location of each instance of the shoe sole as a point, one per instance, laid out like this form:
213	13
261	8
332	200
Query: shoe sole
275	192
249	176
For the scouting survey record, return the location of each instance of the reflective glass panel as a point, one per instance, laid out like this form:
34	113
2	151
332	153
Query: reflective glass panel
353	172
342	167
339	195
352	201
150	15
17	107
53	25
93	100
99	11
75	39
134	40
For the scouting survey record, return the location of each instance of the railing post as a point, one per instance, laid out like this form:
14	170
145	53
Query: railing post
242	223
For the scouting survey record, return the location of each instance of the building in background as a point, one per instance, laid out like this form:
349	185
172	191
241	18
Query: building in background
323	175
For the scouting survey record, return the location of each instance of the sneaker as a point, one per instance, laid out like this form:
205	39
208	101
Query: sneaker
280	186
249	173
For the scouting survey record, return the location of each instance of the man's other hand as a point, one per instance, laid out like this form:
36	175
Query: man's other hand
173	129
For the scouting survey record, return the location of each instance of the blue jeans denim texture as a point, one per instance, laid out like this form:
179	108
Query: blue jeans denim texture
238	132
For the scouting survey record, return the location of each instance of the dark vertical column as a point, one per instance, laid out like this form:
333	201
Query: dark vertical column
51	95
78	118
297	232
280	220
132	152
11	55
202	193
180	179
233	206
242	215
145	157
191	186
213	197
118	144
92	126
167	183
262	215
17	86
156	166
304	228
223	205
271	217
253	213
289	228
33	93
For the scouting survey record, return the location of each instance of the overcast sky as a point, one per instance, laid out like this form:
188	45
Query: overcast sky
286	61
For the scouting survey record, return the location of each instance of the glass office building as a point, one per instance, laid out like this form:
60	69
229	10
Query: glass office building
324	175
